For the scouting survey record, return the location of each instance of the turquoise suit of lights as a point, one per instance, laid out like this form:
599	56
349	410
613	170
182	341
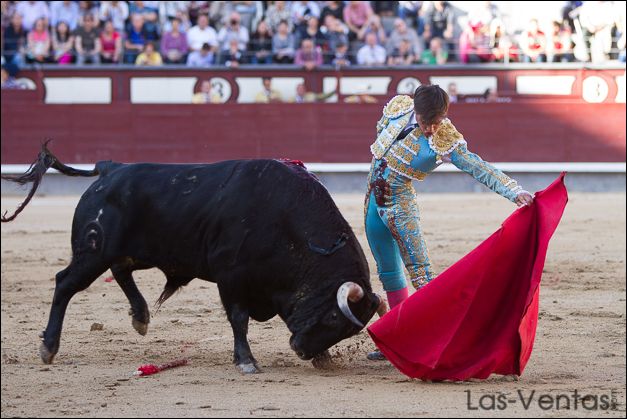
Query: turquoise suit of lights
392	216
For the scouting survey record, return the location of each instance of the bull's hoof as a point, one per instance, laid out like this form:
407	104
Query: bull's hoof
249	368
45	354
141	327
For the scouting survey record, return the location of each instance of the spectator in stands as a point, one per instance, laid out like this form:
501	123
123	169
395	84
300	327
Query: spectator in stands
403	55
373	25
233	57
620	43
62	44
356	15
568	14
333	8
14	43
268	94
31	11
174	44
283	45
38	46
335	33
202	34
7	81
88	8
560	44
303	96
474	44
301	11
385	9
150	11
7	10
202	58
453	96
169	10
486	13
598	18
436	54
233	30
411	12
64	11
534	43
206	94
311	31
371	54
218	12
115	11
501	44
111	43
402	32
439	21
341	57
309	55
184	26
136	38
196	9
87	42
260	45
277	13
149	56
250	12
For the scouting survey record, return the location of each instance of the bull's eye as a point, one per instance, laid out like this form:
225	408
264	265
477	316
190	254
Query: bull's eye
334	316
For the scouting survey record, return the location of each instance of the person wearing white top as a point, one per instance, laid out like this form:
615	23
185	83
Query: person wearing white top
116	12
233	30
371	53
202	34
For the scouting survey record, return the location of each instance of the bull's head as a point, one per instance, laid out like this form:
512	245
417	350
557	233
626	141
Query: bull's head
349	312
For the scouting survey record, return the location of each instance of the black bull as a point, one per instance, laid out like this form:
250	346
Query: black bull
267	232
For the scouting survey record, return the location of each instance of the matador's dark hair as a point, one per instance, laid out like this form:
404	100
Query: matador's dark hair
431	103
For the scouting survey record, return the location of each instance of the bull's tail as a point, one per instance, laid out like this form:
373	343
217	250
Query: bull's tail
36	172
172	285
168	291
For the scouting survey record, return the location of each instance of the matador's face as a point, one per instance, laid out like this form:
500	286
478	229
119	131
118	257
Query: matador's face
428	129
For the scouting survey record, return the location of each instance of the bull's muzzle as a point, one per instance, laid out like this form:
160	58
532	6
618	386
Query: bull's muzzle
299	352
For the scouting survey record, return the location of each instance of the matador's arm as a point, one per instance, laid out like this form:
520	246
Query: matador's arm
451	146
485	173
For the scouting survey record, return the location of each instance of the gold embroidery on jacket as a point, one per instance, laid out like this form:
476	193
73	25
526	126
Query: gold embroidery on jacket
399	105
446	138
387	136
398	166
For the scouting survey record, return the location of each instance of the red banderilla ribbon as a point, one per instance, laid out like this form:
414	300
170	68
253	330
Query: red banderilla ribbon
150	369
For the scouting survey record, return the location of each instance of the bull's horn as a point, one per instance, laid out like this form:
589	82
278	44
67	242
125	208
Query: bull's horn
353	292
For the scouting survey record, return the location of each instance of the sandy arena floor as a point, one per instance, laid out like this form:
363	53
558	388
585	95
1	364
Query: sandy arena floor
580	344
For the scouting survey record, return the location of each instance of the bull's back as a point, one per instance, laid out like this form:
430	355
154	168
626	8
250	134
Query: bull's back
182	214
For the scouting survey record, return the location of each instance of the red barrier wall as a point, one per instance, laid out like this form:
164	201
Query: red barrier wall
529	129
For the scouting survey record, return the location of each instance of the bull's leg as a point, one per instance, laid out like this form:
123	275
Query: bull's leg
76	277
139	308
243	357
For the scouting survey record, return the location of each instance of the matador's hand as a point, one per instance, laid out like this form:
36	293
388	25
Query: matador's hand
524	198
